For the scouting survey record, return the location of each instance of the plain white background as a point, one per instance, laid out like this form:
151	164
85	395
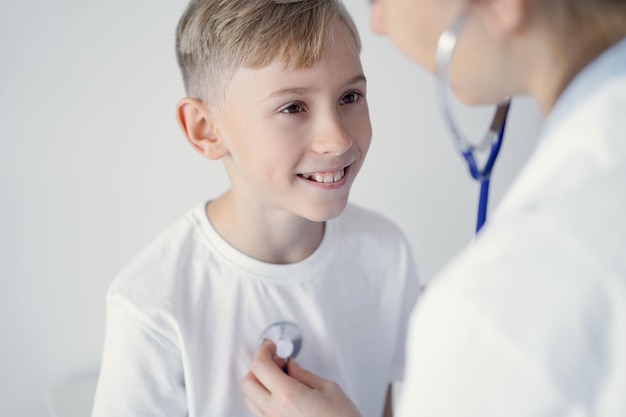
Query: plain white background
92	166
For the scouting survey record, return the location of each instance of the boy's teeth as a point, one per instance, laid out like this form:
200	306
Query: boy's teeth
326	177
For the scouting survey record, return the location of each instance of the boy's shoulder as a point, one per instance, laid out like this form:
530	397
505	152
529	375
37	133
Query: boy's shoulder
157	267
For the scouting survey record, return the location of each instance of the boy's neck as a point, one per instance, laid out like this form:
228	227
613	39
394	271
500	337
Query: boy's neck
280	238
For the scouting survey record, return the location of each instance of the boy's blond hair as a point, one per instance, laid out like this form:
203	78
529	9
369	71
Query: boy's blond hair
216	37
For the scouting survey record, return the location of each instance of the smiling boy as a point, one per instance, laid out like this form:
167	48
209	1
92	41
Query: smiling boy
276	91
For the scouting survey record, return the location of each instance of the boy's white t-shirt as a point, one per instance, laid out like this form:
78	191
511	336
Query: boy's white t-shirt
185	317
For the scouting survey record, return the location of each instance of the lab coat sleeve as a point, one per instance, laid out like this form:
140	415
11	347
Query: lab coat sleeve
460	366
141	372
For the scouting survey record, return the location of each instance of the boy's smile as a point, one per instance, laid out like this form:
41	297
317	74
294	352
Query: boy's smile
328	177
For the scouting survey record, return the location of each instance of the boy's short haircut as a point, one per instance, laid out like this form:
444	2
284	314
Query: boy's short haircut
216	37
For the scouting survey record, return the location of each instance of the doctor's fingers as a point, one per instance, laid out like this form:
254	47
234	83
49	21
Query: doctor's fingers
307	378
281	403
253	408
321	397
292	400
267	368
311	395
257	400
304	395
253	389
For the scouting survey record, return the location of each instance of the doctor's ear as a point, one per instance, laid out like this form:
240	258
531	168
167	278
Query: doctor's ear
197	123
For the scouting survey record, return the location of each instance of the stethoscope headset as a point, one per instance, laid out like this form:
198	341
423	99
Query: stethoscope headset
493	137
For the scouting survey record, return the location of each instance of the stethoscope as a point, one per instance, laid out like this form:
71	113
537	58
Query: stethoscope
287	338
445	48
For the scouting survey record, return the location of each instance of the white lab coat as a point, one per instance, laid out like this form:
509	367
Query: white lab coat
530	319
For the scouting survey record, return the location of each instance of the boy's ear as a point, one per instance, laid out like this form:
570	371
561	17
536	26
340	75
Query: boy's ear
199	128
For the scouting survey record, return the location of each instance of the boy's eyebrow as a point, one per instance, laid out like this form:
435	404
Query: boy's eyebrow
359	78
303	90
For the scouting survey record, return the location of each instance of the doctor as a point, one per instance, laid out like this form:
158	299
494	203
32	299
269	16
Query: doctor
530	319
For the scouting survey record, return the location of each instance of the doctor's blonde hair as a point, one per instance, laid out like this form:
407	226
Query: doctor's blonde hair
583	18
216	37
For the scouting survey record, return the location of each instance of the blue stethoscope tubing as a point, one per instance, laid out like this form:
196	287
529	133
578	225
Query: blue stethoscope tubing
494	136
484	175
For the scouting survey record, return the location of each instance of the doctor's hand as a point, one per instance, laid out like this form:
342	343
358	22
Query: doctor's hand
269	392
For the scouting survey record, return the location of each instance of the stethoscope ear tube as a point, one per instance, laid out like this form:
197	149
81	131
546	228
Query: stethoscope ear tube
495	134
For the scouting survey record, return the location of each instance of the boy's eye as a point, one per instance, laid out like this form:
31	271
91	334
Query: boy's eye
350	98
292	108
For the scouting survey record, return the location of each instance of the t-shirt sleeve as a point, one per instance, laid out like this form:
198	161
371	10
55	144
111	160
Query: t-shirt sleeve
141	372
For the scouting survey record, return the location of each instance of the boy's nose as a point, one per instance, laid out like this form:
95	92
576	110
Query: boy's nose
332	140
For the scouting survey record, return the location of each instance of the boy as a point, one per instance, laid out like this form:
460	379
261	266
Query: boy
277	93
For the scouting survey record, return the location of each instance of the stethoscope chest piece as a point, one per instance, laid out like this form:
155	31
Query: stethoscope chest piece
287	337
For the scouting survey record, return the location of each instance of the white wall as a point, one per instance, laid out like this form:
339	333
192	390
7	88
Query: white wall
92	166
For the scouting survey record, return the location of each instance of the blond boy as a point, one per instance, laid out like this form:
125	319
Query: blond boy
277	93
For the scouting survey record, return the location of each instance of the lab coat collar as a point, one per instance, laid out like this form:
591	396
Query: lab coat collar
568	139
607	66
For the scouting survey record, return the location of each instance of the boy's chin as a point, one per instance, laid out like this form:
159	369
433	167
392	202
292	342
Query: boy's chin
326	213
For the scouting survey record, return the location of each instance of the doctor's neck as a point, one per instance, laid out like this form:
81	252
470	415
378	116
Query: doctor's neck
568	50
